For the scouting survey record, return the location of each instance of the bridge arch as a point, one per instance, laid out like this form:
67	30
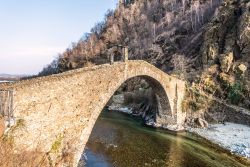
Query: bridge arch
165	115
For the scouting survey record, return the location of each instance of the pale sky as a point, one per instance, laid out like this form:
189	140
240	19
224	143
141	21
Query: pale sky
33	32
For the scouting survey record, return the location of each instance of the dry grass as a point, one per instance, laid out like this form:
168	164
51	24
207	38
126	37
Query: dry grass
59	155
89	64
36	158
9	157
25	159
194	100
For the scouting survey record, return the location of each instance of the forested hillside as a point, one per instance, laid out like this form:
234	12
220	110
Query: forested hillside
206	42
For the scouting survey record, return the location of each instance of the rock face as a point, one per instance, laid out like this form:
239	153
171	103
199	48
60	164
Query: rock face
213	52
227	44
226	61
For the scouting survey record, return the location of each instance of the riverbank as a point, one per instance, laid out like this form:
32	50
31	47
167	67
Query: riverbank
231	136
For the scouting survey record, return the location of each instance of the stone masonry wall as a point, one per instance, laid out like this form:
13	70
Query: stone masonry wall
67	105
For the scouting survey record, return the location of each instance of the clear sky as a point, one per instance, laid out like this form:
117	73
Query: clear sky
33	32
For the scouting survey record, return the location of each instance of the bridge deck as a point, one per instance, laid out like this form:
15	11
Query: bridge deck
63	75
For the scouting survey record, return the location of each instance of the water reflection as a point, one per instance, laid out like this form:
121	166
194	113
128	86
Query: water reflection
120	141
95	159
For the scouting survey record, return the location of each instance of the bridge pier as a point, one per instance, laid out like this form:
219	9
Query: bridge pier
125	53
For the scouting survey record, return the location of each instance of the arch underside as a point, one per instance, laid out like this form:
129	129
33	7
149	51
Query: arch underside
161	99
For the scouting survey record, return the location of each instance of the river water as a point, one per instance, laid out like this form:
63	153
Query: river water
118	140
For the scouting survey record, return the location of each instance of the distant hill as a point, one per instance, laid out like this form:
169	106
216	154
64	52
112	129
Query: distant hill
8	77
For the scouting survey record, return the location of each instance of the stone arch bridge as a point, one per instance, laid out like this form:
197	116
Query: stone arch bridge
65	106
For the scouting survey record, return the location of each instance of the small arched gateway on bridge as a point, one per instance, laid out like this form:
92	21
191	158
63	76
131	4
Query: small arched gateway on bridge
65	106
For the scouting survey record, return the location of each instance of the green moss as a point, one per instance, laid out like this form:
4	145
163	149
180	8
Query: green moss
19	124
9	136
57	144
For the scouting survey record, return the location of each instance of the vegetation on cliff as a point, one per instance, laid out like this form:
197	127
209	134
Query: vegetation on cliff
206	42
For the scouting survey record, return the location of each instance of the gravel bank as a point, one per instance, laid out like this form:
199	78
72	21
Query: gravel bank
231	136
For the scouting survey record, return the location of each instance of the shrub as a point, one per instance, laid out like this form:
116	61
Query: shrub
235	94
194	100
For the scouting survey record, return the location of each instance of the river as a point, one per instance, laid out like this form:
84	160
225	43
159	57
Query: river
118	140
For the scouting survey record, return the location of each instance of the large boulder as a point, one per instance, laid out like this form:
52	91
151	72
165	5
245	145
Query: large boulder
226	61
241	69
201	123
